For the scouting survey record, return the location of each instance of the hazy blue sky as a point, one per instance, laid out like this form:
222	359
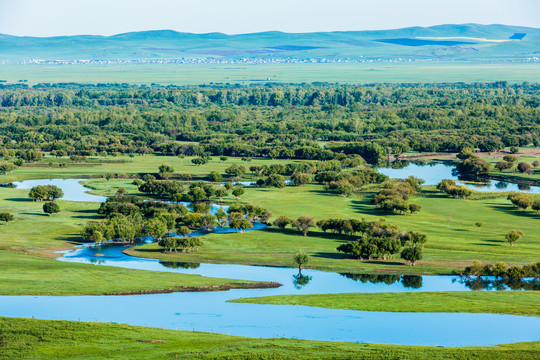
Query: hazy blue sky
68	17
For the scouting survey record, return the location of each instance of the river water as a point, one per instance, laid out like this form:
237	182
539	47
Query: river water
211	311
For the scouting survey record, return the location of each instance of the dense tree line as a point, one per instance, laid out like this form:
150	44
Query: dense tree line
276	121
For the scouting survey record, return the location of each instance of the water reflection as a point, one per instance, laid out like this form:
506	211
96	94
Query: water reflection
179	265
299	280
373	278
491	283
411	281
433	173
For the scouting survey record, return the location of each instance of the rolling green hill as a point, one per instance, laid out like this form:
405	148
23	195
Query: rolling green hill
468	42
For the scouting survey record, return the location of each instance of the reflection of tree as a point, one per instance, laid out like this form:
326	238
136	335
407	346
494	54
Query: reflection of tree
412	281
399	164
484	283
179	265
501	185
524	187
299	280
373	278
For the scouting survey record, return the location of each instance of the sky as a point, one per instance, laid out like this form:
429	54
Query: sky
108	17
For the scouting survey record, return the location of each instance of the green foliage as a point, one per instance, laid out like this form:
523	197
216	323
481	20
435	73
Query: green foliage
45	192
51	208
6	217
514	236
301	259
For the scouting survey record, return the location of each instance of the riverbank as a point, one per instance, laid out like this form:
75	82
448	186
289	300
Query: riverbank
495	302
29	275
46	339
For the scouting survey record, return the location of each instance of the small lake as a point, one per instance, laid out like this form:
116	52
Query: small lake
72	188
434	173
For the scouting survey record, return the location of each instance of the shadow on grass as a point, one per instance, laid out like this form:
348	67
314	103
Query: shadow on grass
311	233
329	255
511	210
383	262
19	199
35	214
92	214
74	239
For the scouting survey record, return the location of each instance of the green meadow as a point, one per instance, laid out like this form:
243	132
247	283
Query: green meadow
451	245
497	302
345	73
45	339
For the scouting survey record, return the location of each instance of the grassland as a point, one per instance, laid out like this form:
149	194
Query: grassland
45	339
29	242
98	166
28	275
346	73
451	246
498	302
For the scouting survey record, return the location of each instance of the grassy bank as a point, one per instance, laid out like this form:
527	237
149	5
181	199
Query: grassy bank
451	245
28	275
44	339
497	302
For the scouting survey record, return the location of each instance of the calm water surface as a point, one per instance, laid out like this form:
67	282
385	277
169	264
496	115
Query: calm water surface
434	173
210	311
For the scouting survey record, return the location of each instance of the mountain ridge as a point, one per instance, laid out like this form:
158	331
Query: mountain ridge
489	42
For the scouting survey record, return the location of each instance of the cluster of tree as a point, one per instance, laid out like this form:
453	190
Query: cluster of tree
276	121
381	240
471	164
185	244
449	187
347	183
45	192
377	239
393	197
302	223
6	168
524	201
501	270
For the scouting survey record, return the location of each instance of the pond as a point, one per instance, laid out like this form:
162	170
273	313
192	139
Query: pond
72	188
211	311
434	173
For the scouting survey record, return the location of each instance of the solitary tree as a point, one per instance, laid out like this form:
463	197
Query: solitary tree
165	171
238	192
478	224
215	176
525	168
301	259
6	217
536	205
514	236
303	223
412	254
281	222
51	208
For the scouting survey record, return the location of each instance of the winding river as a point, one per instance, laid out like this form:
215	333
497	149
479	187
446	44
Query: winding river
211	311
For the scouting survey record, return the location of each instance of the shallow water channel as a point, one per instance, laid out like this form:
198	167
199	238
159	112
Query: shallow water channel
210	311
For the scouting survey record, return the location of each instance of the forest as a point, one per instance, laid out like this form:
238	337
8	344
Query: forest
308	121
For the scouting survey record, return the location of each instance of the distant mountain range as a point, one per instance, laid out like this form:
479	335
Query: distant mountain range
467	42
